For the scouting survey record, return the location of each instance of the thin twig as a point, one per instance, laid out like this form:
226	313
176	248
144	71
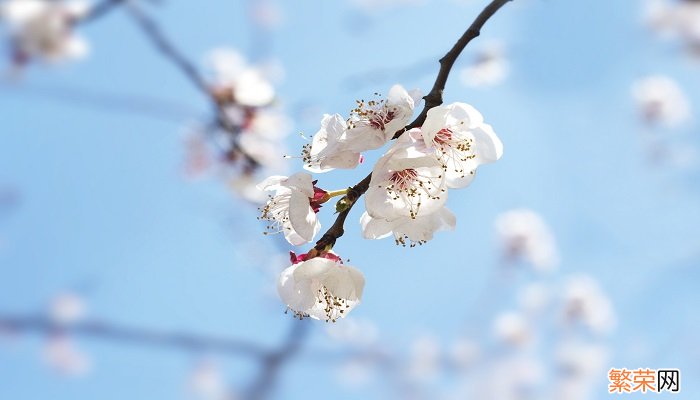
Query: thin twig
109	331
100	9
128	103
432	99
168	49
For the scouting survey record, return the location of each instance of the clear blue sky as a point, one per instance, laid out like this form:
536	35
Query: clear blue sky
105	210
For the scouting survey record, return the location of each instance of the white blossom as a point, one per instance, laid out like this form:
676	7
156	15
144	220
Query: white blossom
321	288
678	19
461	140
585	303
374	122
408	181
271	124
534	298
523	234
44	29
267	153
354	332
464	353
512	328
246	186
660	100
67	308
416	230
425	359
328	149
239	82
61	354
206	381
290	209
580	366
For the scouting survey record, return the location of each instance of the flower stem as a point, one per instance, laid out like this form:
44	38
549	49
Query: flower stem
334	193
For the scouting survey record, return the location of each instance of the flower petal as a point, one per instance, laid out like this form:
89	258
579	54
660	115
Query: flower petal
302	217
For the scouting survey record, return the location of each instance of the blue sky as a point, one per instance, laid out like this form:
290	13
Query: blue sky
105	209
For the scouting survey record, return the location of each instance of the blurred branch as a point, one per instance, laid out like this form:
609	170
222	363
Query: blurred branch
273	362
168	50
104	330
432	99
100	9
9	198
134	104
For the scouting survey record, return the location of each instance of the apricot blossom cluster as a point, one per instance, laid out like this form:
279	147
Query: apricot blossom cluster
405	196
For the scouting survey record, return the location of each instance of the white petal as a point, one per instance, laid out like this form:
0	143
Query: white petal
423	227
313	269
345	281
17	12
302	217
374	228
271	182
76	47
489	147
302	182
298	295
251	89
465	115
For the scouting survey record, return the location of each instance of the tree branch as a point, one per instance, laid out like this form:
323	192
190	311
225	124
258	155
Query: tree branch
432	99
189	70
100	10
167	49
274	362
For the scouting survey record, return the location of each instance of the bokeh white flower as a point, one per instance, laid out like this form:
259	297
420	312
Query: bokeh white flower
523	234
67	308
61	354
44	29
660	100
489	68
236	81
586	305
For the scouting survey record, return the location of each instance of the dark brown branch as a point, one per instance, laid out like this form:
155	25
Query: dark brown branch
336	230
102	330
432	99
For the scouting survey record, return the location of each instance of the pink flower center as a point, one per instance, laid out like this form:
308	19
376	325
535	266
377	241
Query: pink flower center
403	179
379	119
318	199
443	136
